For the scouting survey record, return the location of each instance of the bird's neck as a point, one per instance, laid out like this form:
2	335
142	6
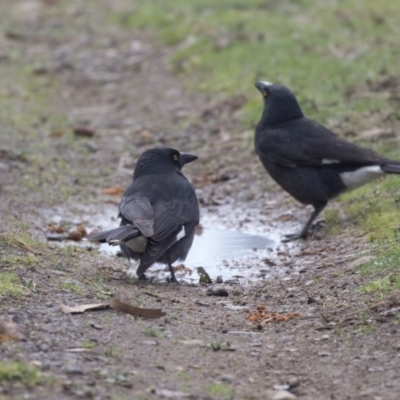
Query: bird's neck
281	110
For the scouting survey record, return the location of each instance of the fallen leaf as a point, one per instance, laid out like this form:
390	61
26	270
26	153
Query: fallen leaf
113	191
171	394
55	229
56	133
204	277
262	315
192	342
181	268
11	331
83	307
117	305
77	234
150	313
377	133
83	131
79	350
359	261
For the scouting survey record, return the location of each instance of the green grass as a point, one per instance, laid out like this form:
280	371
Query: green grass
19	372
333	55
383	272
318	49
10	285
221	391
154	333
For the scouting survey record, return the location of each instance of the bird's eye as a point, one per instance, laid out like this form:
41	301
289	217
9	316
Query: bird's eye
176	157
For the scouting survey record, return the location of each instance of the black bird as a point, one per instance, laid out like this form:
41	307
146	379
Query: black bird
159	212
308	160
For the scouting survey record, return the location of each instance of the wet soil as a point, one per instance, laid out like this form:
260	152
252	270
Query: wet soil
343	344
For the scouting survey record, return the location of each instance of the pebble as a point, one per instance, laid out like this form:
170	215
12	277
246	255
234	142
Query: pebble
293	382
279	395
227	378
217	292
74	370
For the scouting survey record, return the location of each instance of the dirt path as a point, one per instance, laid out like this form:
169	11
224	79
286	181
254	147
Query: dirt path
86	72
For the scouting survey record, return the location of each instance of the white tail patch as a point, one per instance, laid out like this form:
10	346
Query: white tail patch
137	244
328	161
361	176
181	234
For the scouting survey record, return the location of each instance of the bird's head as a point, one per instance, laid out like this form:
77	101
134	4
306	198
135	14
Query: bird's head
161	160
280	104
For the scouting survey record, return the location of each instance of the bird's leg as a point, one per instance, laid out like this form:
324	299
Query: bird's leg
173	277
304	232
144	278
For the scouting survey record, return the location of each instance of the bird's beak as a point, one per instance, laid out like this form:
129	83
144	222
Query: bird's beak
262	86
187	158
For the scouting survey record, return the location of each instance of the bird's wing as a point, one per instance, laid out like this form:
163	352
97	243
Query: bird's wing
139	212
169	219
310	144
170	216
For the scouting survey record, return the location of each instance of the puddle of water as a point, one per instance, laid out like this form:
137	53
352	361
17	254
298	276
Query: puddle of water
222	249
225	253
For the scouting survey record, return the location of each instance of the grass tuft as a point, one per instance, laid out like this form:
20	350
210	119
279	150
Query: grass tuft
19	372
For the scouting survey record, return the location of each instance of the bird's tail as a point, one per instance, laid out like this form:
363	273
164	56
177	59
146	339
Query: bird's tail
392	167
115	236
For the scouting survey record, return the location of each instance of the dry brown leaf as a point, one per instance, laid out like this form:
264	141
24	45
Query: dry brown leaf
83	131
83	307
55	229
11	331
113	191
359	261
262	315
181	268
377	133
78	233
57	133
150	313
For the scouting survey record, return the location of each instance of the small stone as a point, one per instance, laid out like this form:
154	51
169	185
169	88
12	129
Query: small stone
150	342
227	378
217	292
293	382
74	370
279	395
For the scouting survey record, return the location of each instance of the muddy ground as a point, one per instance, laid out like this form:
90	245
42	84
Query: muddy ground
88	72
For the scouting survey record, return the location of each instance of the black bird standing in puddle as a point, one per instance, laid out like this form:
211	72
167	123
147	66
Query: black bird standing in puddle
308	160
159	212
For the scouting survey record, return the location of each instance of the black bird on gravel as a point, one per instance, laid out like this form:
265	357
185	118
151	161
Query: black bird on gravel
308	160
159	212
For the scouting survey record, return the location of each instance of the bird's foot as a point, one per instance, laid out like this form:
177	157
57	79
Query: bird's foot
294	236
305	232
144	278
172	279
